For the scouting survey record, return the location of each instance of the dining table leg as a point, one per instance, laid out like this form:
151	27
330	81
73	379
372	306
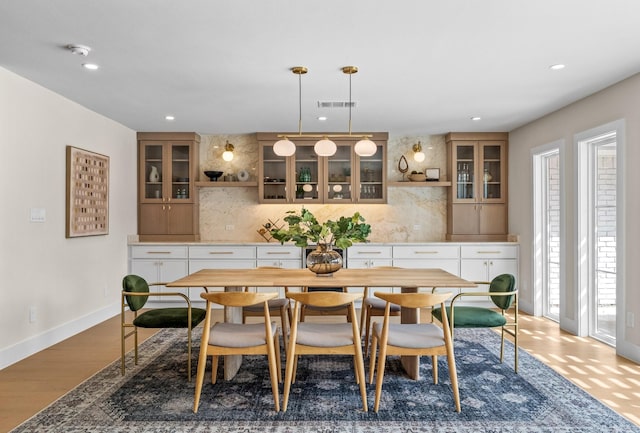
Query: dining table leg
411	364
232	363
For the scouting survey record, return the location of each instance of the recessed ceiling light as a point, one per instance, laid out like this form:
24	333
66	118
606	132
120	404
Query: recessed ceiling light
556	67
476	118
322	118
91	66
169	118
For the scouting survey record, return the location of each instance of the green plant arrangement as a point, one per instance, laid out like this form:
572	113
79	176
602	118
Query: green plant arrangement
304	228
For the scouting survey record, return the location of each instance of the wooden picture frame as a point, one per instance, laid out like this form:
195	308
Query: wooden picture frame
87	193
432	174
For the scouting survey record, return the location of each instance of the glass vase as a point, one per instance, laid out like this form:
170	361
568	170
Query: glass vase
324	261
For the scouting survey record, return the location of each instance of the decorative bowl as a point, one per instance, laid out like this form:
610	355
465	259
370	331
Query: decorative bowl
417	177
213	175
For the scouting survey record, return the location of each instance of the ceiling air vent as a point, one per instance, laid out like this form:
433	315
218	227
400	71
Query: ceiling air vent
336	104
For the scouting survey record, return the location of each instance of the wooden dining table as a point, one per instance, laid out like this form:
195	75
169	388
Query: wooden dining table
408	279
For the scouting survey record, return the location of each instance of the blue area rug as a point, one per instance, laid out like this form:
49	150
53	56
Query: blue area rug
155	397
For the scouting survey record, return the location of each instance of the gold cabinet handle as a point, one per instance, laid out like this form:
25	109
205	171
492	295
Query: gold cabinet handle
158	252
220	252
425	252
489	252
279	252
369	252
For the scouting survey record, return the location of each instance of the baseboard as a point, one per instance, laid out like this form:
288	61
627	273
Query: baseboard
28	347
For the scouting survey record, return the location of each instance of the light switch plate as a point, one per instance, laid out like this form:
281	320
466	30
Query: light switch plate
38	215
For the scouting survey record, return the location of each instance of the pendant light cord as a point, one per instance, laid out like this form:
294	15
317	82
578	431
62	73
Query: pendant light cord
299	104
350	104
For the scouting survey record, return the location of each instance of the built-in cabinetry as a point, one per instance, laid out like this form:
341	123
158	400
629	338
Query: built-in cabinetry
478	261
305	177
477	199
167	199
483	262
160	264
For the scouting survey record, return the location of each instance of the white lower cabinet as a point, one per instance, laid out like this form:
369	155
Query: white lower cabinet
219	257
160	264
471	261
483	262
370	256
280	256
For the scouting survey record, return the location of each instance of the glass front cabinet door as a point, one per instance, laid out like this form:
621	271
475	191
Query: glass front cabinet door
305	177
371	175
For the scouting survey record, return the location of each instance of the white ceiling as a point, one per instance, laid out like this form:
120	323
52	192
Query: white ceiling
222	67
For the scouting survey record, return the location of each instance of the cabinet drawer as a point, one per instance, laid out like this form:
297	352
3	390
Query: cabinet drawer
426	252
222	252
159	252
279	253
489	251
355	252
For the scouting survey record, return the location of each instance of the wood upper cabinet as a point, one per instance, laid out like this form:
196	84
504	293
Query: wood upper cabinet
477	202
305	177
168	201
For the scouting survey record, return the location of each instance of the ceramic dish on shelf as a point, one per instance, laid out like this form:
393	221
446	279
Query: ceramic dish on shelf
243	175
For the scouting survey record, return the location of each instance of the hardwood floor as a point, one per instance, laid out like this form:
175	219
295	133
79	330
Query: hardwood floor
30	385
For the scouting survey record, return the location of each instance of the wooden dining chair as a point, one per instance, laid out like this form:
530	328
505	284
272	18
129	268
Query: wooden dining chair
280	307
220	339
135	293
502	292
412	339
314	310
373	307
323	338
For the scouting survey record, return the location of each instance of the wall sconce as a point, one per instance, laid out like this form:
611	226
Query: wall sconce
227	155
419	154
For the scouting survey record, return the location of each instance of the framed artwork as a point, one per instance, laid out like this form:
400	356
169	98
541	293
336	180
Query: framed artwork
87	193
432	174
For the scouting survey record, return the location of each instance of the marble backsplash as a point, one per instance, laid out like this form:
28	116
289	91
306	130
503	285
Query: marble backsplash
412	214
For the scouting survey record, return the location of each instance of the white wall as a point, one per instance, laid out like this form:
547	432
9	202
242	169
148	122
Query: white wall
619	101
71	283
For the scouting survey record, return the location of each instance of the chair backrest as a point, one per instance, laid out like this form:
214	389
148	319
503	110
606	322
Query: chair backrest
324	298
238	299
503	283
135	284
414	300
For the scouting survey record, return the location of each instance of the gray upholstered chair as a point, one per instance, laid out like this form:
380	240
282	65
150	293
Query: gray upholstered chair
324	338
220	339
412	339
504	295
135	293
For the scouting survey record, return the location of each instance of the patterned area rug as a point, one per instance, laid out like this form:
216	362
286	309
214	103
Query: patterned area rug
155	397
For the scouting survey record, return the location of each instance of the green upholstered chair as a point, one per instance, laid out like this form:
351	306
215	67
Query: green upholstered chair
135	293
504	295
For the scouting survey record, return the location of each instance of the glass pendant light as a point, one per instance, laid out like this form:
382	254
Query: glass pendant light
325	147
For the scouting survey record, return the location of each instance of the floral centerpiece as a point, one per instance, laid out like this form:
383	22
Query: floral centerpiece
304	228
